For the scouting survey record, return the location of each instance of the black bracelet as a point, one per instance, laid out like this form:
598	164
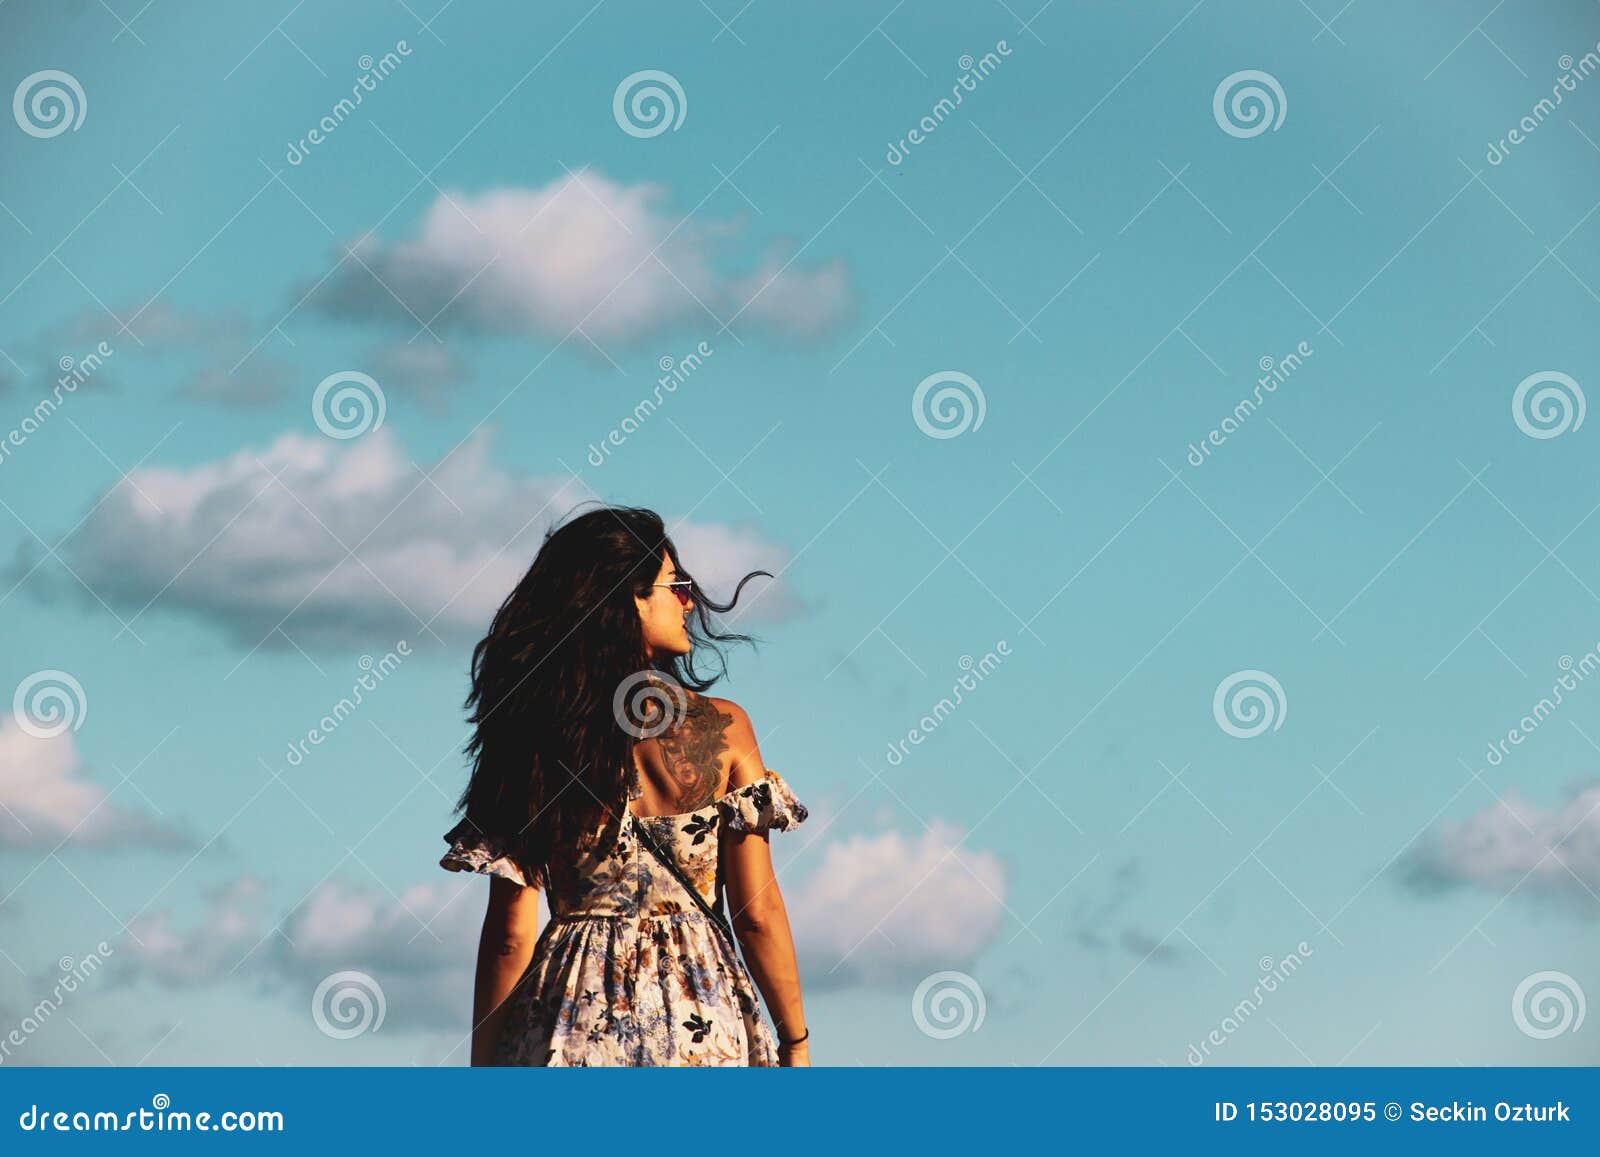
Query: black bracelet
796	1040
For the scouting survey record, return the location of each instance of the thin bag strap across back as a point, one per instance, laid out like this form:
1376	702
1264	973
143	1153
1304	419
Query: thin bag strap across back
671	865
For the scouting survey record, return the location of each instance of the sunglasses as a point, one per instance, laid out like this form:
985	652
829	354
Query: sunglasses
679	588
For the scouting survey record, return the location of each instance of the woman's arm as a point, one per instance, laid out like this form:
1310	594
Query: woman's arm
762	925
756	905
505	946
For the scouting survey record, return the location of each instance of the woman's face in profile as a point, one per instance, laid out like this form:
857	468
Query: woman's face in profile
663	615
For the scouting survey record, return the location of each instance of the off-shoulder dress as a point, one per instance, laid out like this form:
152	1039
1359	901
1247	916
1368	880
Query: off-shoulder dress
629	970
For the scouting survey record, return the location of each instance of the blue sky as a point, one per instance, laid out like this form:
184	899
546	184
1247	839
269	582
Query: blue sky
1086	847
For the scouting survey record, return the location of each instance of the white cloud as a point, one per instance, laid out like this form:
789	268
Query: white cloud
44	799
419	947
892	908
884	908
718	555
1515	843
343	925
228	932
793	300
261	538
582	251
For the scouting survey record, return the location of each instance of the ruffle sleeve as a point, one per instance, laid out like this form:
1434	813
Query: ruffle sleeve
761	805
473	851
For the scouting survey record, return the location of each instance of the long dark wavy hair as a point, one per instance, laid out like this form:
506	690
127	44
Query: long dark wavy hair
550	755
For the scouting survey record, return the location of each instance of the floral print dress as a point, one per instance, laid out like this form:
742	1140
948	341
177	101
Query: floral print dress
629	970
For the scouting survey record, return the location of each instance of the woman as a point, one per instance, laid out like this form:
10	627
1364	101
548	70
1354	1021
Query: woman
602	776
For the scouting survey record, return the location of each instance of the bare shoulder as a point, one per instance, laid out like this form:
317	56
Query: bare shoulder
737	715
735	721
744	754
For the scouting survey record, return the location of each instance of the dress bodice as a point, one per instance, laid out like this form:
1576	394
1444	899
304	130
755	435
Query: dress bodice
620	877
